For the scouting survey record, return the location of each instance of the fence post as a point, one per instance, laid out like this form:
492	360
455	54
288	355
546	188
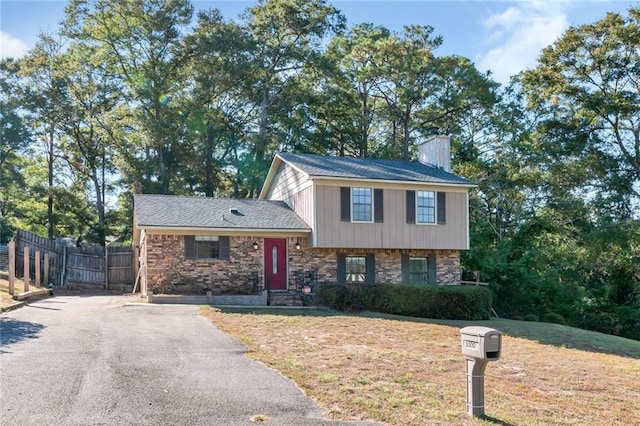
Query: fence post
25	277
36	259
12	267
46	268
106	267
64	266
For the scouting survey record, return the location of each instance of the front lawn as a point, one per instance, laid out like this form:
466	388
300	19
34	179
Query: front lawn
408	371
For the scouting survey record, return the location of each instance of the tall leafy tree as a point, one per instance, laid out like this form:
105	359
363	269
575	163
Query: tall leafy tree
586	84
346	107
404	66
47	105
15	137
142	42
286	37
216	113
90	131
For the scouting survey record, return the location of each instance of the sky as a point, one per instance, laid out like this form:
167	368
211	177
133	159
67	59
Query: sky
504	37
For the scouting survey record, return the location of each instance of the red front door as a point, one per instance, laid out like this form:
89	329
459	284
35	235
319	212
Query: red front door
275	263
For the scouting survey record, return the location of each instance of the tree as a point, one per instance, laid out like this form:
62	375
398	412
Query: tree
47	105
216	113
89	141
403	67
586	84
142	43
15	137
285	36
346	106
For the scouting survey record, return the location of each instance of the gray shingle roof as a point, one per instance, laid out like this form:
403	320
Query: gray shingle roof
170	211
370	168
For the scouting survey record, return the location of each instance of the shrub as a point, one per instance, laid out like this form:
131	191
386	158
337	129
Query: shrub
554	318
443	302
530	317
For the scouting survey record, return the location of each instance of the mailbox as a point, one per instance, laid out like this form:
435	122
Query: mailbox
479	346
481	343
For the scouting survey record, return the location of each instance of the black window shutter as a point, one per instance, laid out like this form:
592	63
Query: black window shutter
223	247
404	261
345	204
378	209
431	269
189	247
370	263
442	208
411	206
342	268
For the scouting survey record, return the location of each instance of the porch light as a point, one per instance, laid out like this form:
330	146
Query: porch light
298	246
255	245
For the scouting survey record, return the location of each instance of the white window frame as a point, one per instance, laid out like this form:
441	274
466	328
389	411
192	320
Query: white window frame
435	208
372	206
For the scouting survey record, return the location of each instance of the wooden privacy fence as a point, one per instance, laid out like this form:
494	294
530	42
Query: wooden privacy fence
98	268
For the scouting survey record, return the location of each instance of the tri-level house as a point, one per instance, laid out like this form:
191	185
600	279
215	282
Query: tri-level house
336	219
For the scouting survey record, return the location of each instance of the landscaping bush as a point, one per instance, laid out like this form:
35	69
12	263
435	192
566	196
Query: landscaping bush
554	318
443	302
531	317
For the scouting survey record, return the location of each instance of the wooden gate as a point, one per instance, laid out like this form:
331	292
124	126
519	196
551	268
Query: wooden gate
95	268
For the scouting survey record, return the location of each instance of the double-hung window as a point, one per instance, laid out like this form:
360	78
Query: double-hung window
362	204
426	206
207	247
356	269
418	270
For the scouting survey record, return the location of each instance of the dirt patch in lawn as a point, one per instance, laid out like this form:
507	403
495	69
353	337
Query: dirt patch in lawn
410	371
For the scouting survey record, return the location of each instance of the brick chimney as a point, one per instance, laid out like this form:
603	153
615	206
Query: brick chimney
435	151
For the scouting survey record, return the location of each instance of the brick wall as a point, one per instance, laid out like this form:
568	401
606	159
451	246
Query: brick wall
168	271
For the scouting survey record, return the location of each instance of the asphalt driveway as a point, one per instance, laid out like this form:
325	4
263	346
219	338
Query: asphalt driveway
93	360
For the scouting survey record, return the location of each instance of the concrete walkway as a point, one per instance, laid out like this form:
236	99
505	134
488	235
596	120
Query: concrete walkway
75	360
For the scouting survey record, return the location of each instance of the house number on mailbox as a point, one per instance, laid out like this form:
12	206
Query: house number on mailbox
470	344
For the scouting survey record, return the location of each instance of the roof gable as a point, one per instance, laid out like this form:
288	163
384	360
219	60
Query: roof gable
168	211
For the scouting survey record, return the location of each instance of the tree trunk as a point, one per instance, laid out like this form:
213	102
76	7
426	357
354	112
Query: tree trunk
50	189
261	143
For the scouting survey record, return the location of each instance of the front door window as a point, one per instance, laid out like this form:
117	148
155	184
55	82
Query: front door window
274	260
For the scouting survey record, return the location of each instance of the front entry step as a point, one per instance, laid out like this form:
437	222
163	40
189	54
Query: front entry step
284	298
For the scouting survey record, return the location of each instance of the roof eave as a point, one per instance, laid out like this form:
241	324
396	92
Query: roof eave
392	181
231	231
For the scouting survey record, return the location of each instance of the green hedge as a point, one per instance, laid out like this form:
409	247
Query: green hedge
425	301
